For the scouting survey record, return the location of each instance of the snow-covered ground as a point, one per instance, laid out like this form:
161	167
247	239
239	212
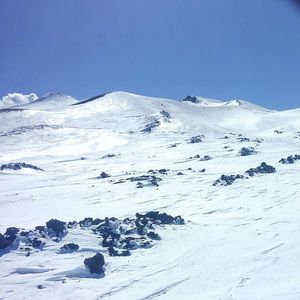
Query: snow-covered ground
239	241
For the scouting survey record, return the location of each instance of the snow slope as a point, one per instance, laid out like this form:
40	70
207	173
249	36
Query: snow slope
239	241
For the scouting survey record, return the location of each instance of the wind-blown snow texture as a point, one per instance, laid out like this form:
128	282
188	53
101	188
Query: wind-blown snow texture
239	241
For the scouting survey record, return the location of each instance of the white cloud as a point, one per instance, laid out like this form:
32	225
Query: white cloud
13	99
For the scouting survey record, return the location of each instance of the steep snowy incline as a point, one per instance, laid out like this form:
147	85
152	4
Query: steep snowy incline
120	154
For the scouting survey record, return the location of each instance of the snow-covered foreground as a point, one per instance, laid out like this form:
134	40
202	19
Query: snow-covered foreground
239	241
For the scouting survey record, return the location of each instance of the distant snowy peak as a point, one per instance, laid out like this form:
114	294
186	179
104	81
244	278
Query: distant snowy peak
52	100
16	99
208	102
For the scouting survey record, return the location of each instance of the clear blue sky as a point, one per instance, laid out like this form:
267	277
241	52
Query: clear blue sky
224	49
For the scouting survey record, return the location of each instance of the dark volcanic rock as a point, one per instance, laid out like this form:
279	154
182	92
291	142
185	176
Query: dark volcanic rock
35	242
153	236
103	175
228	179
165	114
150	126
195	139
56	226
4	243
70	247
72	224
95	264
113	252
290	159
245	151
86	222
160	218
8	238
192	99
19	166
146	180
262	169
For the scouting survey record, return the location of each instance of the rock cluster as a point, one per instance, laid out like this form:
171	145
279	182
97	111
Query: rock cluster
229	179
245	151
290	159
19	166
119	237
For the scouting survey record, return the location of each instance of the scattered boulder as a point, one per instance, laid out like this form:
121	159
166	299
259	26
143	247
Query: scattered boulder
195	139
165	114
262	169
35	242
8	238
192	99
245	151
103	175
95	264
72	224
153	236
86	222
227	179
290	159
19	166
150	126
4	243
57	227
68	248
143	180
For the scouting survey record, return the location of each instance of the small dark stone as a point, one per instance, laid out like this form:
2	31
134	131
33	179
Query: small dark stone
95	264
72	224
70	247
153	236
195	139
86	222
40	287
163	171
139	185
179	220
104	175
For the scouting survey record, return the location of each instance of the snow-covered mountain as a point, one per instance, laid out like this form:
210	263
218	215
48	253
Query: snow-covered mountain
118	154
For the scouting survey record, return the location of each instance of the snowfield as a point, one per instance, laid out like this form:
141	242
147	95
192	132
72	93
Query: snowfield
239	241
